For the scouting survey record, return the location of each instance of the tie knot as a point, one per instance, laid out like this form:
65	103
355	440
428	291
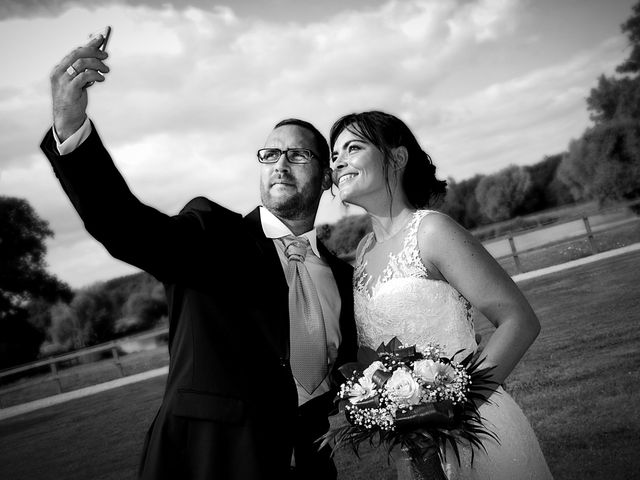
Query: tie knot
295	248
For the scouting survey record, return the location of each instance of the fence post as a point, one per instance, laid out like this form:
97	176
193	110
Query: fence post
116	358
514	254
56	377
592	243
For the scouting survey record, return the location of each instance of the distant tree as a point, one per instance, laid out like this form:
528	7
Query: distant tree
23	280
65	330
576	172
346	233
89	319
107	310
23	274
502	194
614	98
454	201
461	203
546	190
142	310
605	163
619	97
632	28
39	313
96	314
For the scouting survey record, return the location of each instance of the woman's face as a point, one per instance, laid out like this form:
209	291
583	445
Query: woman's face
357	169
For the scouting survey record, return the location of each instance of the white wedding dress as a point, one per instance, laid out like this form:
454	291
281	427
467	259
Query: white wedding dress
405	303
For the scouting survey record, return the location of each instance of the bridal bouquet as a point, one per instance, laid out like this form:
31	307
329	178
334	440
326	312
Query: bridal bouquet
417	399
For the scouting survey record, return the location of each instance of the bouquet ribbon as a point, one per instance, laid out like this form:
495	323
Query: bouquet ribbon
433	415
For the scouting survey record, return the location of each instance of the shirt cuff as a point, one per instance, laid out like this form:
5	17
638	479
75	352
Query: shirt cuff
75	140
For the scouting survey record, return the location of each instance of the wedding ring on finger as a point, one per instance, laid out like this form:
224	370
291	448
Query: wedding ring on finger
72	71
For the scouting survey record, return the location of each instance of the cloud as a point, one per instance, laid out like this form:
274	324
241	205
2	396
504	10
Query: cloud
208	71
272	10
522	119
193	92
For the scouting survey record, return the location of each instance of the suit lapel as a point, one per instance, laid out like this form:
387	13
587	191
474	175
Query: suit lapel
268	254
272	284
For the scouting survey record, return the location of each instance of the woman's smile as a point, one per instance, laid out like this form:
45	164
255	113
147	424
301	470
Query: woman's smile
346	178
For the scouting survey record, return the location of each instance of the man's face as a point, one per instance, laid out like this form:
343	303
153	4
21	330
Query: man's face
291	190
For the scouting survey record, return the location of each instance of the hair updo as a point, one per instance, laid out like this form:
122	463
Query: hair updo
387	132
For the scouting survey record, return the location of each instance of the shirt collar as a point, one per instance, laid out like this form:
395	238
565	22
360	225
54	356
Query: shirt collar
273	227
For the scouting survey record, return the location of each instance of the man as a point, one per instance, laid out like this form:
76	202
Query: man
231	408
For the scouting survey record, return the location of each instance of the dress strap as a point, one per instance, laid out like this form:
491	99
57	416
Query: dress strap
411	249
363	246
411	238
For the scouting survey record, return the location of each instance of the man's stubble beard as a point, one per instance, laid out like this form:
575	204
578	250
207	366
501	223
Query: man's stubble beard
298	206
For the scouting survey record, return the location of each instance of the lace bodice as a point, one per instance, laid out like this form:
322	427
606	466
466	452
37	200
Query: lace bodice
406	303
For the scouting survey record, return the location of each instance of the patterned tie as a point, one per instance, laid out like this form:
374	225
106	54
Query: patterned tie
306	325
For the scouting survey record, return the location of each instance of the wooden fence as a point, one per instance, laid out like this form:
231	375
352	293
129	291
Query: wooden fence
515	244
114	347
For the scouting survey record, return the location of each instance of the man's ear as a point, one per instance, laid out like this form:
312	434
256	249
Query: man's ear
400	157
327	179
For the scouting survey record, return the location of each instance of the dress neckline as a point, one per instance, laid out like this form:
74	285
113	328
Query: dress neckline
405	262
402	228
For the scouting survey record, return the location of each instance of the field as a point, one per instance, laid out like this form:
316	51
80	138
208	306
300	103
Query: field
579	385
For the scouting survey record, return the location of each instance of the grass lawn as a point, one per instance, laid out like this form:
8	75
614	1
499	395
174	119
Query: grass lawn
579	385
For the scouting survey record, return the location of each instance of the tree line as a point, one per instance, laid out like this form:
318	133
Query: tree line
41	315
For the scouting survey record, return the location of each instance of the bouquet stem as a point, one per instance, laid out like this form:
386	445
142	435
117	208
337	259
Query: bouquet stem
427	467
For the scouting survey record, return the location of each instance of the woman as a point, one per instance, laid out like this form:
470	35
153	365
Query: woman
419	277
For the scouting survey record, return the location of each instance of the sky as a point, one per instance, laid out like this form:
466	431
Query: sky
196	86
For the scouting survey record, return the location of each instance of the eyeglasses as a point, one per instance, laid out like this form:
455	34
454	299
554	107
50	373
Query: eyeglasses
294	155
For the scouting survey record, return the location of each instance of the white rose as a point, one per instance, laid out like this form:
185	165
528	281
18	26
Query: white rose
433	372
362	390
403	389
371	369
426	370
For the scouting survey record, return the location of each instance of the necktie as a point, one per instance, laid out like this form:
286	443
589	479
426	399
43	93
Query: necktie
308	340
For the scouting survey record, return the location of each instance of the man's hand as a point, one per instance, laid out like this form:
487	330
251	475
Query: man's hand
68	82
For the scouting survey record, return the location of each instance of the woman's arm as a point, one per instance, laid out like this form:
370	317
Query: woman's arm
450	251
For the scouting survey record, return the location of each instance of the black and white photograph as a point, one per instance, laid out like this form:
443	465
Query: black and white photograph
303	240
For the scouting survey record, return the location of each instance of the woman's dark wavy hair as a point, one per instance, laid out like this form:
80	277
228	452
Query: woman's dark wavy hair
387	132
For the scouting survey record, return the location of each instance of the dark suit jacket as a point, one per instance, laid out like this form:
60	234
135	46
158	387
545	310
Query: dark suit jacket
230	402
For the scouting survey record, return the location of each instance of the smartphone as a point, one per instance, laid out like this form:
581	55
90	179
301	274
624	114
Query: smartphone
106	33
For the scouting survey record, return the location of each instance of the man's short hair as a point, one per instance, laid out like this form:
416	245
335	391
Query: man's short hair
321	142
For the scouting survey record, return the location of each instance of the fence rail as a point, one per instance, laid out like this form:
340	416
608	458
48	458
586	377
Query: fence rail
113	347
515	244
